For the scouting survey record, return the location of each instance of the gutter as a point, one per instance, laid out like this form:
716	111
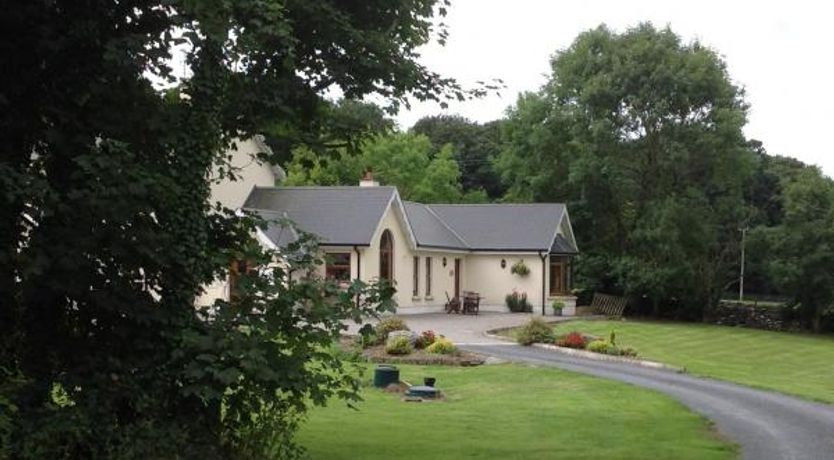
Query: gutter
358	269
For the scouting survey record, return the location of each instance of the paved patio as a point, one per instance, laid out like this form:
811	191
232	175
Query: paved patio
467	329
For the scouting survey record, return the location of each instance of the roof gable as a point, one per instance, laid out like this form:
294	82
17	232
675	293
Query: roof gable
339	216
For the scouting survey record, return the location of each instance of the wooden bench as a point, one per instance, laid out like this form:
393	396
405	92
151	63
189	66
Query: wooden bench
609	305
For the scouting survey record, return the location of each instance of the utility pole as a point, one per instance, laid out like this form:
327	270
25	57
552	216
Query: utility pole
743	231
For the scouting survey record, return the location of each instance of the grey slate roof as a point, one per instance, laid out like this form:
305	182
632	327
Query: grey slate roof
503	227
349	216
340	216
429	230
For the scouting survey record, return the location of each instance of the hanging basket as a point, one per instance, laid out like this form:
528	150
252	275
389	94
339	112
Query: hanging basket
520	268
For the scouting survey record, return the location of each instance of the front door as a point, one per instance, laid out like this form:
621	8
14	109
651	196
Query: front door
457	278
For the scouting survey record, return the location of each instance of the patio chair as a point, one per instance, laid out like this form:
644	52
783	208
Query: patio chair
452	305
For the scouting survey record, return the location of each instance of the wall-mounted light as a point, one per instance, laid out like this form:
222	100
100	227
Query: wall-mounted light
444	261
503	263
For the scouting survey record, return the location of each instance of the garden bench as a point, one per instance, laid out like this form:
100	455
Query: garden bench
609	305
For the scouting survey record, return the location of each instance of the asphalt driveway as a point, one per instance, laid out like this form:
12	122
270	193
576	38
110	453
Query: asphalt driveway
766	425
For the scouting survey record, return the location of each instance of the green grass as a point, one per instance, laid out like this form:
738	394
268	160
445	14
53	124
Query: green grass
514	412
799	364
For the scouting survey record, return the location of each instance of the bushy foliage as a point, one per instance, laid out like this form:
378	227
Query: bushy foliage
640	133
520	268
388	325
572	339
398	346
535	331
425	339
518	303
107	233
442	346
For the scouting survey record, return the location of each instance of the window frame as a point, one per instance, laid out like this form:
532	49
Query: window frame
415	289
428	276
330	266
386	256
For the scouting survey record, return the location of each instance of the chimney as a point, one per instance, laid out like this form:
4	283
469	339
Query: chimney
368	180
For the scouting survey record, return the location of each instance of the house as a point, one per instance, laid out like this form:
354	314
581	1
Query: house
429	251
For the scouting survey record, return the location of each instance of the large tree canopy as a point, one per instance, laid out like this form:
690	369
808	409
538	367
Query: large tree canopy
407	161
106	230
475	146
641	134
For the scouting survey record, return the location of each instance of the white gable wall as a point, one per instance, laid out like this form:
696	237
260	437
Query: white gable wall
251	172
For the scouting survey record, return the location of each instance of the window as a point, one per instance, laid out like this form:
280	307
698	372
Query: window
337	266
238	269
428	276
558	276
415	291
386	256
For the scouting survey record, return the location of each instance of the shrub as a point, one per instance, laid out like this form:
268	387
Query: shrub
425	339
398	346
628	351
442	346
387	325
518	303
572	340
366	340
535	331
598	346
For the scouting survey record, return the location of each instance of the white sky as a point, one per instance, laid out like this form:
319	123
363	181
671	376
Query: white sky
780	52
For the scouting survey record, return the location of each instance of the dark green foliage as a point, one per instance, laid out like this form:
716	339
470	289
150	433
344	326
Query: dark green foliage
640	134
107	234
475	147
535	331
801	249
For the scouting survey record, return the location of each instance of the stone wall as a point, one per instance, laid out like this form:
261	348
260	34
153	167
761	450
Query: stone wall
752	316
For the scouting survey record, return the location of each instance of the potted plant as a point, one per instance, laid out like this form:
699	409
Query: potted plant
520	268
557	306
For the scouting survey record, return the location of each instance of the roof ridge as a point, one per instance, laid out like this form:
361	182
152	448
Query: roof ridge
448	227
322	187
486	205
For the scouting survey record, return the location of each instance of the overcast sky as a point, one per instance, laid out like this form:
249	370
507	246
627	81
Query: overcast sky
780	52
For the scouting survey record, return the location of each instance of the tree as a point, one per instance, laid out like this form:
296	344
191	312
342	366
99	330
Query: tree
107	234
402	160
802	248
475	145
640	134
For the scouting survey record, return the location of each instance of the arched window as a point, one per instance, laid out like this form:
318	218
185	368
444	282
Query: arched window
386	256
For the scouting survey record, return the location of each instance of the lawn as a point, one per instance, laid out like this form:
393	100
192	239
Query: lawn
512	411
799	364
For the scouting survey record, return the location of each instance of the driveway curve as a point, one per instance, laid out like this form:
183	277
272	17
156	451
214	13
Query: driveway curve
766	425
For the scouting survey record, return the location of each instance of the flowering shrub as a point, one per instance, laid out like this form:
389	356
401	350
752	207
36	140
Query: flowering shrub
572	340
425	339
